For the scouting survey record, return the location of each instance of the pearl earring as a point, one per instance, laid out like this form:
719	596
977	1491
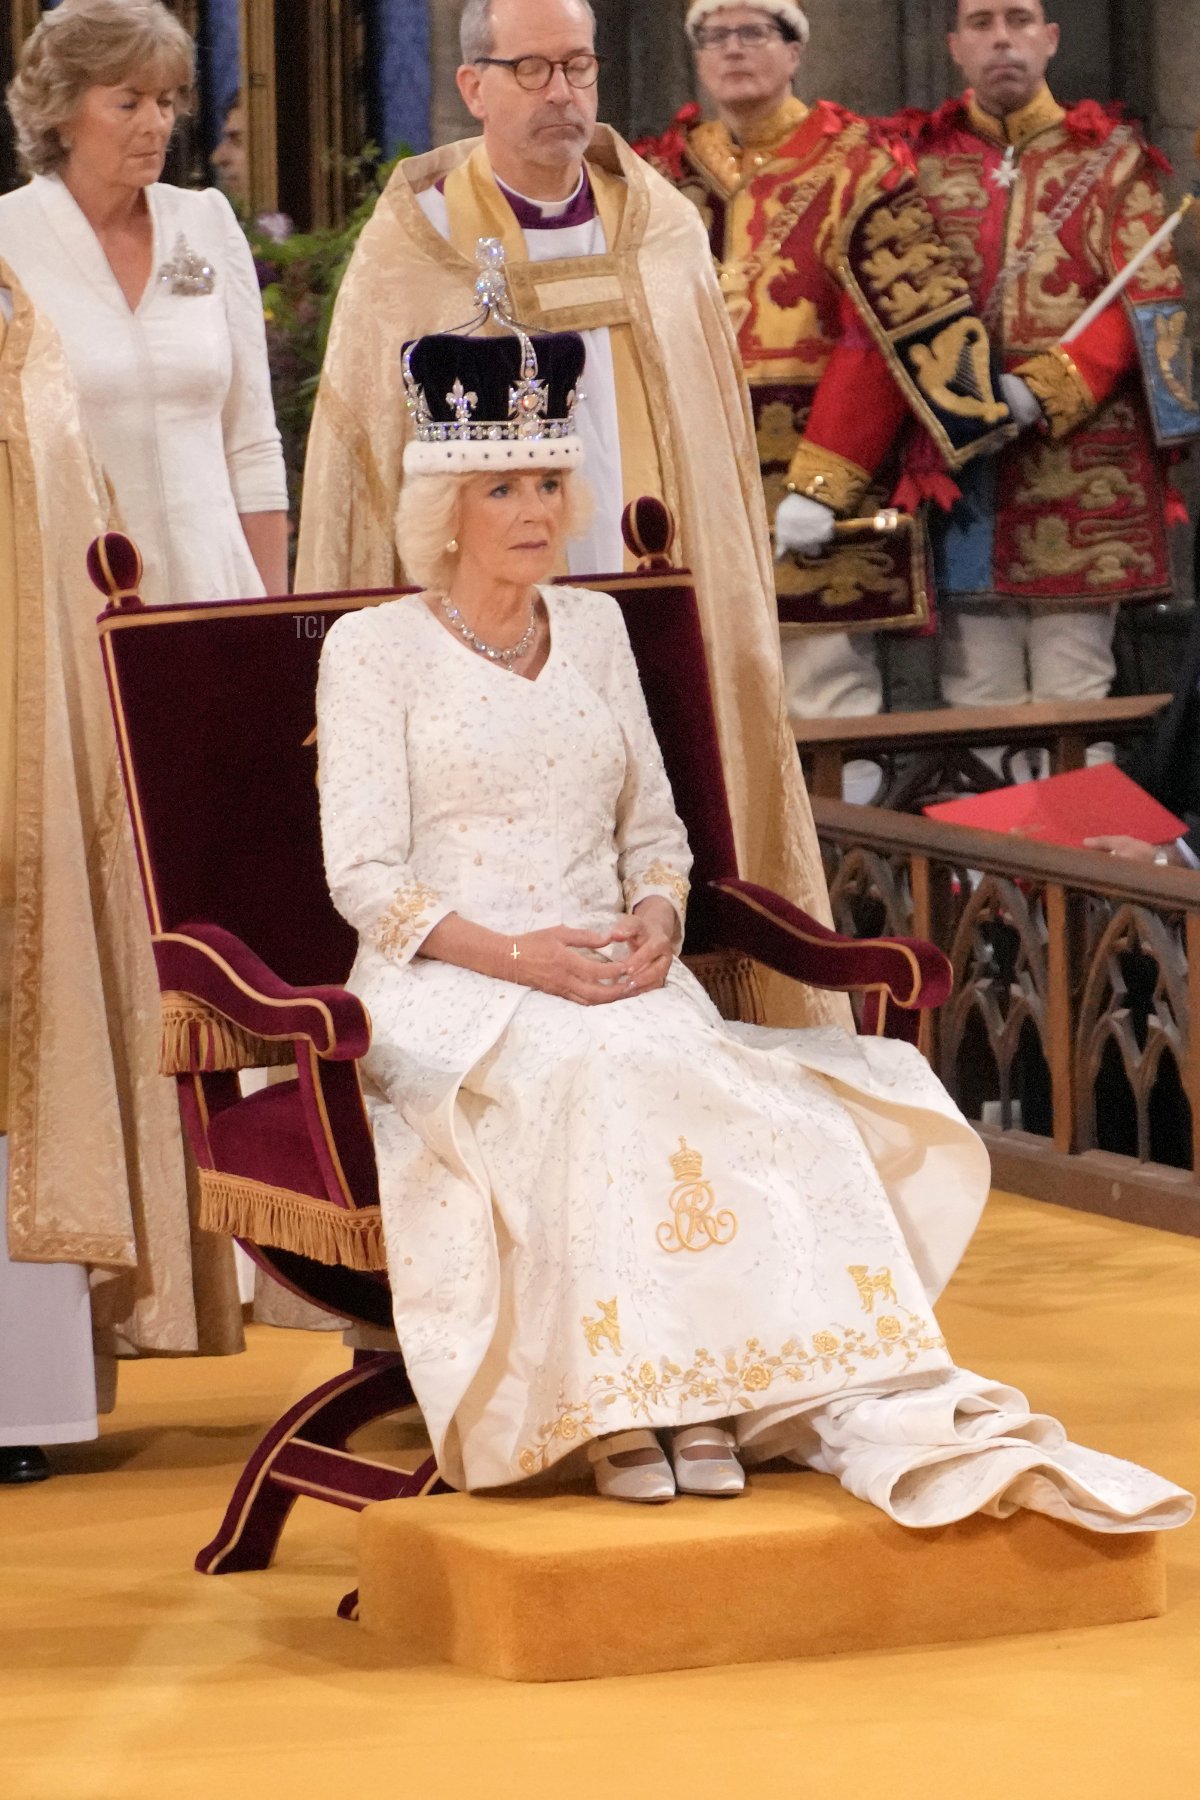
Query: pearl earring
452	547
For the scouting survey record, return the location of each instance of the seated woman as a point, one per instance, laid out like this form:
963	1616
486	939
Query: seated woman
614	1221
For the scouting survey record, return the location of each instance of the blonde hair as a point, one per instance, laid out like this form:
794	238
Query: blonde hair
84	44
428	522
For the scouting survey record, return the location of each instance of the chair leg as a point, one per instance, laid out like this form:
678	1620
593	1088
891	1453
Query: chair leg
304	1453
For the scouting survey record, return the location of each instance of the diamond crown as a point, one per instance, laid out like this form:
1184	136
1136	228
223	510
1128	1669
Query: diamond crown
528	398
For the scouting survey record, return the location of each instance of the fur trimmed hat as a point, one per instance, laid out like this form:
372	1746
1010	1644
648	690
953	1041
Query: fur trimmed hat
786	11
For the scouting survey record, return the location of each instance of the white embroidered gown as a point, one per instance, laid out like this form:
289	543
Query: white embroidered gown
637	1214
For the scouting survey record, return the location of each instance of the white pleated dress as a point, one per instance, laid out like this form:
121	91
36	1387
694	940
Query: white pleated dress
635	1214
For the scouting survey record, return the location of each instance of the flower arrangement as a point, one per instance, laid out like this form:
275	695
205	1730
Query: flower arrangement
300	274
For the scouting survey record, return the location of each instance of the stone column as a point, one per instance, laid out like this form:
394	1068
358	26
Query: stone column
448	117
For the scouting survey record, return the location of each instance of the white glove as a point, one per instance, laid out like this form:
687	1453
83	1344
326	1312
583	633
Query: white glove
1022	402
802	526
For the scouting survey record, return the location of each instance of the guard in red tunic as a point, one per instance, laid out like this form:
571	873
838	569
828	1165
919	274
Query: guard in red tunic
851	317
1042	208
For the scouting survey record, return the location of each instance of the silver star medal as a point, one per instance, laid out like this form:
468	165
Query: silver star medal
1006	175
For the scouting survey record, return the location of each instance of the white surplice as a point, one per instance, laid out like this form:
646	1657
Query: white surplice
176	392
637	1214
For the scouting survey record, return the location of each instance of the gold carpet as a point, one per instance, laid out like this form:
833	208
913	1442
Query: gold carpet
126	1676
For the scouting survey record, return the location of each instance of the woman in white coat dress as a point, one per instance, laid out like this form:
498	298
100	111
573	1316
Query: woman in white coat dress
615	1222
153	291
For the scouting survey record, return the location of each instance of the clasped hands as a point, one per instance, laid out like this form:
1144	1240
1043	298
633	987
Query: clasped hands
568	963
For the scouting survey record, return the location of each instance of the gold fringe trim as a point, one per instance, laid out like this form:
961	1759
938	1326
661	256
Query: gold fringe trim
732	984
279	1219
197	1040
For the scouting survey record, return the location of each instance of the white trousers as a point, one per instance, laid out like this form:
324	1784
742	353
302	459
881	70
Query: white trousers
47	1370
836	675
1014	654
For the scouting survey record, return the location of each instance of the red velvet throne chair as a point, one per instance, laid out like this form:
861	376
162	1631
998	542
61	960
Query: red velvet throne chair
214	707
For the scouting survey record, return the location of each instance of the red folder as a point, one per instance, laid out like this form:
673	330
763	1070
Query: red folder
1065	809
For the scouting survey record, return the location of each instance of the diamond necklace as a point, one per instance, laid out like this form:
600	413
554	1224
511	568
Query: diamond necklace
493	652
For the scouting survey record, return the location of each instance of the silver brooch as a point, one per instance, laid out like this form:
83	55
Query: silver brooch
185	272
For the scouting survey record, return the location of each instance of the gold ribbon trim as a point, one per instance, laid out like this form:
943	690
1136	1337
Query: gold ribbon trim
279	1219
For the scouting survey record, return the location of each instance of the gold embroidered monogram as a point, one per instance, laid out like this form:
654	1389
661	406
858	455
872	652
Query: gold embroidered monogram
645	1390
406	918
605	1329
693	1224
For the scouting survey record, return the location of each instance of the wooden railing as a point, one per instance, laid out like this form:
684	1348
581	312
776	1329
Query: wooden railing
933	755
1069	1033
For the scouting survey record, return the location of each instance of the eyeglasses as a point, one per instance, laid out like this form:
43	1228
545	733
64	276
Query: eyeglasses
750	37
536	72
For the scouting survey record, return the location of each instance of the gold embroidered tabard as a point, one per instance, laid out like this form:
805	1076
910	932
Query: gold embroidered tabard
1040	210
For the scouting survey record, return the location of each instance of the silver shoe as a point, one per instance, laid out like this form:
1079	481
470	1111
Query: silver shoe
649	1482
717	1477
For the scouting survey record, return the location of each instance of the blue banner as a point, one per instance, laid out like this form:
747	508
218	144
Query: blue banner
400	83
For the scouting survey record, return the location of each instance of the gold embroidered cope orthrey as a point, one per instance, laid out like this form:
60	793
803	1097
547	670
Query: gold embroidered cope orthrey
604	1330
724	1384
406	919
693	1224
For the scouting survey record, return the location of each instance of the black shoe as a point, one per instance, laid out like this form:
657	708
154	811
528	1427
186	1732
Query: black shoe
23	1462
